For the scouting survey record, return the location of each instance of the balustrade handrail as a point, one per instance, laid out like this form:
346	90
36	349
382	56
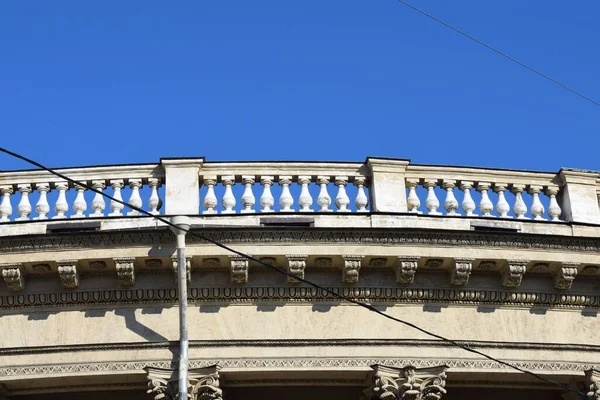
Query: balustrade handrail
379	185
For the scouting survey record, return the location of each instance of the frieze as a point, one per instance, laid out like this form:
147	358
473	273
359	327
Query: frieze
442	238
245	294
317	362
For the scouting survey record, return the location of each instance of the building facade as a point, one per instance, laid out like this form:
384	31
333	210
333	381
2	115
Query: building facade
501	261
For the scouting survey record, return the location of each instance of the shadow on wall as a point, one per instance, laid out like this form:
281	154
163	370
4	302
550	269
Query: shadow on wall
131	321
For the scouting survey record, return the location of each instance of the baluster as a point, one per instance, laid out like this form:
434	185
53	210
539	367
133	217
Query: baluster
305	200
79	205
98	203
61	206
537	208
286	200
554	210
5	206
342	201
323	200
519	209
135	199
154	202
468	205
361	201
412	200
228	200
210	200
267	201
115	206
432	203
485	205
248	199
24	207
451	204
42	208
502	207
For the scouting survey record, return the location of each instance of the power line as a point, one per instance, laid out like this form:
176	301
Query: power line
503	54
284	272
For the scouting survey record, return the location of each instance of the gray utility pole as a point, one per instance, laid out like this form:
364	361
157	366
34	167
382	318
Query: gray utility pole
184	223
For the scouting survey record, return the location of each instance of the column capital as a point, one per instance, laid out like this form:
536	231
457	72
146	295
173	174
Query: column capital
203	382
407	383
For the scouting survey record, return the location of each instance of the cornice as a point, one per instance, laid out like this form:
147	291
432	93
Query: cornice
312	235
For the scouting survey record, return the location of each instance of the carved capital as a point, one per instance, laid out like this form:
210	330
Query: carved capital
125	271
461	271
565	275
296	266
592	383
239	269
513	273
408	383
406	268
351	267
203	383
188	267
13	277
67	271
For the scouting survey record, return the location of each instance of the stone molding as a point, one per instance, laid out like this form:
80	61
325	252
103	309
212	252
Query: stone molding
406	383
285	294
317	362
203	383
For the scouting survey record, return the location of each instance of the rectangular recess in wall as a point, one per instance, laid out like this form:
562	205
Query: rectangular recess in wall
495	226
90	226
287	222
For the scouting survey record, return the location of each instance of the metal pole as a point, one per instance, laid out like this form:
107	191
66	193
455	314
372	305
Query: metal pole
182	222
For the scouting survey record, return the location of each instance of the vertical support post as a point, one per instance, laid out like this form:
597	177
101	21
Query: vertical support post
182	185
578	196
183	223
388	190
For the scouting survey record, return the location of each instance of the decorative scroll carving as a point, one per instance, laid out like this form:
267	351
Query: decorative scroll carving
461	271
378	262
13	277
211	263
203	383
513	274
592	383
125	271
487	265
41	268
565	275
590	270
434	263
323	262
406	269
67	271
153	263
239	269
296	266
97	264
188	267
540	267
351	267
408	383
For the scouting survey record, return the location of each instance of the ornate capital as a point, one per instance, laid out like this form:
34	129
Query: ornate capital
239	269
296	266
513	274
351	267
461	271
125	271
565	275
203	383
406	268
67	271
188	267
408	383
13	277
592	383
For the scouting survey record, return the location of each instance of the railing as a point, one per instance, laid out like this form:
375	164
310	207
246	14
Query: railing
195	187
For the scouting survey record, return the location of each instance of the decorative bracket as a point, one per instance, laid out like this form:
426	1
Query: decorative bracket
239	269
296	266
67	271
125	271
513	274
461	271
203	383
351	267
408	383
13	277
188	267
406	268
565	275
592	383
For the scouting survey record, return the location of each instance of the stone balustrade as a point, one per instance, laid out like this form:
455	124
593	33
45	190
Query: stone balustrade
195	187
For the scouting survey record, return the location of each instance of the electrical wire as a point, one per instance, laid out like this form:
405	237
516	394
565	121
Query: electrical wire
284	272
503	54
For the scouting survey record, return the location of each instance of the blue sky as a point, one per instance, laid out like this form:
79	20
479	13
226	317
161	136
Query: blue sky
123	82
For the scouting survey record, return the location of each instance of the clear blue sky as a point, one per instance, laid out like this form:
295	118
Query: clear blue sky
132	81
